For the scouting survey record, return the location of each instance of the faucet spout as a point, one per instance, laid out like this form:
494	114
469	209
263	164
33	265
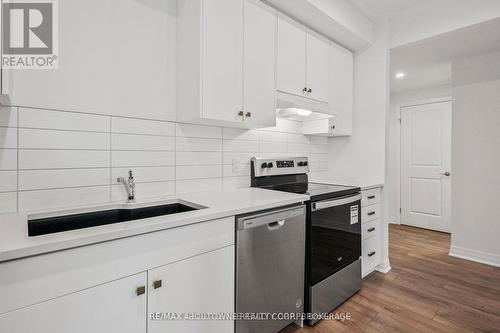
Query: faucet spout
130	185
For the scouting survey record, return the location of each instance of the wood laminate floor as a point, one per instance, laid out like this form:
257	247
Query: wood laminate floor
426	291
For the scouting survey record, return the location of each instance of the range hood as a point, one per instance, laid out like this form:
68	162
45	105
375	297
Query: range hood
287	101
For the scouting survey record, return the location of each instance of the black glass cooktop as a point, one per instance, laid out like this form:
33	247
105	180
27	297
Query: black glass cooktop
317	191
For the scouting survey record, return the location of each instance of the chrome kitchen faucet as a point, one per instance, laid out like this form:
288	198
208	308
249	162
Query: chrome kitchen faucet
130	185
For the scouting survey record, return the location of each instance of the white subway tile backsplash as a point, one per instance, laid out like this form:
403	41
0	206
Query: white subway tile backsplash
198	172
70	158
198	158
240	134
297	138
230	171
140	126
242	158
145	174
142	158
8	116
8	203
59	198
47	179
55	139
273	136
198	131
236	182
37	118
142	142
198	144
240	146
319	140
198	185
280	148
63	159
8	137
8	181
8	159
143	190
300	148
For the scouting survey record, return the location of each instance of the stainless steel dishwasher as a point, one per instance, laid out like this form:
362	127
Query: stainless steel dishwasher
270	257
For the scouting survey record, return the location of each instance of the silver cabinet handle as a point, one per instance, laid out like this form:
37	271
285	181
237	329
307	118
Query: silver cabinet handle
371	254
371	197
371	230
371	213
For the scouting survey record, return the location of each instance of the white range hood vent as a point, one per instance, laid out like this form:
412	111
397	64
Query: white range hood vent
287	101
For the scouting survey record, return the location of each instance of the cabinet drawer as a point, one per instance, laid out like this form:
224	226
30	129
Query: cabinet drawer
370	213
370	197
371	254
370	229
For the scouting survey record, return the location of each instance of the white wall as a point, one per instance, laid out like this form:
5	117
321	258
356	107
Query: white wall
440	17
476	159
116	57
360	158
393	147
51	159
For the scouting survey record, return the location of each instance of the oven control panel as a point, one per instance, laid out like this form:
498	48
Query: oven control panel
279	166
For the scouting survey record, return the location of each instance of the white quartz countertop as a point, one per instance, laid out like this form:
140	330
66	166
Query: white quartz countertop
15	243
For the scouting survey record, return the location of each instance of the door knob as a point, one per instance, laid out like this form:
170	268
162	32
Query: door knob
447	173
140	290
157	284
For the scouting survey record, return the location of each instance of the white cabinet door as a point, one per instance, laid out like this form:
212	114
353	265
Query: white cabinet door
110	307
291	56
318	68
222	59
341	80
201	284
259	58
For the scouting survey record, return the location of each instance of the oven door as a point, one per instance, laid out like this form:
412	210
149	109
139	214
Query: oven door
335	235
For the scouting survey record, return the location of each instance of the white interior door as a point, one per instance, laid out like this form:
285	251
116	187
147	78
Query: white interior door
426	166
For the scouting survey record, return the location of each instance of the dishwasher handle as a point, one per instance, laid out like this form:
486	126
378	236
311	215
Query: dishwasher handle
274	219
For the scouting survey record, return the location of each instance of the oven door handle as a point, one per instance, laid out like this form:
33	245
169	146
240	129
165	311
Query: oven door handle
335	203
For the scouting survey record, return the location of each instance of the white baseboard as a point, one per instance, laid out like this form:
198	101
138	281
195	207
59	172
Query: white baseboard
392	220
384	267
475	255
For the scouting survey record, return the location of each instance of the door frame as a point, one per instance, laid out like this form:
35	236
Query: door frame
399	106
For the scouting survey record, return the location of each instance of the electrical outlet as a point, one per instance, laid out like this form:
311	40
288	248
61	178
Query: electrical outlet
236	165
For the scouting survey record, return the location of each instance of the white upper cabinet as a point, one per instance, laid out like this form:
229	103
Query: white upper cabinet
226	62
291	56
318	67
341	89
303	61
259	63
222	67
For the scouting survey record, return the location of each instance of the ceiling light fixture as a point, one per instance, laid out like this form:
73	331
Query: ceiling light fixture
400	75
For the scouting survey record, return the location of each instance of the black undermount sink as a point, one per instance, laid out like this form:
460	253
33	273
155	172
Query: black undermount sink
50	225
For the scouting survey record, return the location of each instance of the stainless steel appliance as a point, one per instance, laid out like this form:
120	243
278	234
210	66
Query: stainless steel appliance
333	231
270	267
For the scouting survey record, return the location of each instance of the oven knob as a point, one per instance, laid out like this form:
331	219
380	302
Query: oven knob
264	165
269	165
300	164
305	163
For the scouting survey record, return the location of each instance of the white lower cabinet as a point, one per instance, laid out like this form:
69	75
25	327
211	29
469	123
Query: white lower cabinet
371	233
115	286
199	285
110	307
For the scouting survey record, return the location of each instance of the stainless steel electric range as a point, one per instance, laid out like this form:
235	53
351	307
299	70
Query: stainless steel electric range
333	232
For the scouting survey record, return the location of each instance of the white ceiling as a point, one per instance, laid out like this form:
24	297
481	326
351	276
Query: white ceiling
428	63
390	8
